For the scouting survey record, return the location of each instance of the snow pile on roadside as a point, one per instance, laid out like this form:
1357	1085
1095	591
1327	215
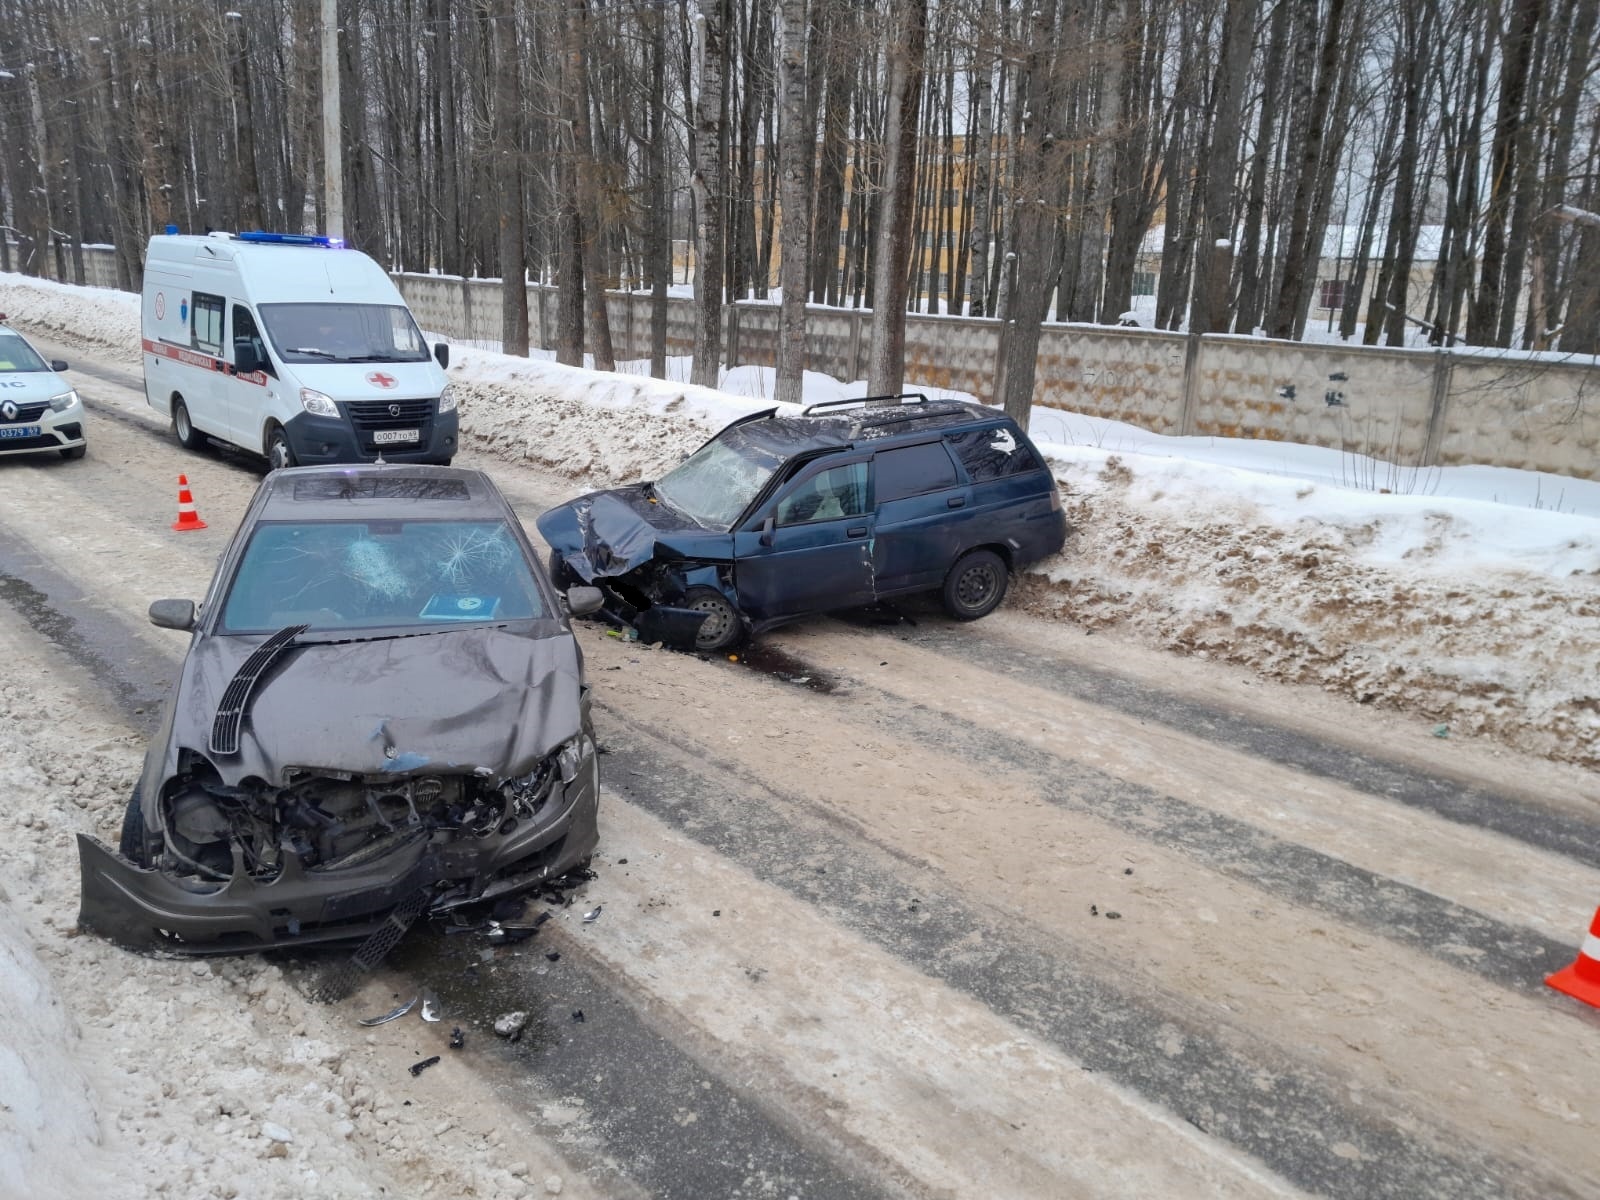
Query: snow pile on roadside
98	316
1478	617
49	1133
595	427
205	1078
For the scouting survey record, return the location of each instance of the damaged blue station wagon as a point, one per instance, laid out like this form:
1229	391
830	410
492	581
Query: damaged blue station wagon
845	504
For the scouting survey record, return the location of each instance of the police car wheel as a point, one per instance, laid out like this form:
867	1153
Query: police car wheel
72	452
279	453
188	436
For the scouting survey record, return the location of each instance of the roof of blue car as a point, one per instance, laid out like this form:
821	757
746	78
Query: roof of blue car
842	426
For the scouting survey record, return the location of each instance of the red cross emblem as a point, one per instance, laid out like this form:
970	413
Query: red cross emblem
379	379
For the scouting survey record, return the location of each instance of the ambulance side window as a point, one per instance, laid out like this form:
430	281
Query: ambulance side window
207	317
245	333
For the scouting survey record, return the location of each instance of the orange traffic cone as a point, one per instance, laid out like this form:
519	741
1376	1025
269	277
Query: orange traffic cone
1581	980
188	518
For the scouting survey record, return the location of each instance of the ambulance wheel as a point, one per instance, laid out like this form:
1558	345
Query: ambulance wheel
189	437
279	452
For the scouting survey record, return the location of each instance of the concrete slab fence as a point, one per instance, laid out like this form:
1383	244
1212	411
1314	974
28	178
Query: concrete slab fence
1413	408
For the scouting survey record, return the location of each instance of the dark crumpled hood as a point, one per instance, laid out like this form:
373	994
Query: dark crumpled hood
435	703
606	534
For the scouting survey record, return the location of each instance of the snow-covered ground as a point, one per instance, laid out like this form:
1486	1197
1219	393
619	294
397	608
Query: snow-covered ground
1465	598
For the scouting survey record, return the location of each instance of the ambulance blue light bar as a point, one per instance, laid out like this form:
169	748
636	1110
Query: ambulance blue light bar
290	239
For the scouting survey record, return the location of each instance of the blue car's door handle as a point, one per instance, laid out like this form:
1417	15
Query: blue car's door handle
856	531
955	502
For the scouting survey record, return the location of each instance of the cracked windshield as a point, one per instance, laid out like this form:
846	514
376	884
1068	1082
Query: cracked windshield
717	482
338	575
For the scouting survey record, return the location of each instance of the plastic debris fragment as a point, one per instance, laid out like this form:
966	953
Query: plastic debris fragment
592	915
457	1038
430	1007
393	1015
553	955
1113	916
510	1024
417	1068
577	1015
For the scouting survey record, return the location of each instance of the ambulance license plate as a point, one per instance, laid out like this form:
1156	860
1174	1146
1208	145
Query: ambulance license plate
22	431
388	437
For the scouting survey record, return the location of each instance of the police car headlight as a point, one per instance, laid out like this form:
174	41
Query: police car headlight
318	404
447	399
64	401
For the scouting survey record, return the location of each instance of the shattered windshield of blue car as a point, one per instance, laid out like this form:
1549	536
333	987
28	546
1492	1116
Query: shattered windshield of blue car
718	481
344	575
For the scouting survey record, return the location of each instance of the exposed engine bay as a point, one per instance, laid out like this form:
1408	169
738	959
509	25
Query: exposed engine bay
334	819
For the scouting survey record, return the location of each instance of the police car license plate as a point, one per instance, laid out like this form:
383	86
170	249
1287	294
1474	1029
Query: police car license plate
22	431
386	437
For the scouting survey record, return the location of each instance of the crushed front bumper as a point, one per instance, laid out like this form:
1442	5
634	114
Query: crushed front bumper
144	909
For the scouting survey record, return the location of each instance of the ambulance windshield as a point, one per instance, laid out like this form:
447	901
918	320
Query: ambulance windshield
364	333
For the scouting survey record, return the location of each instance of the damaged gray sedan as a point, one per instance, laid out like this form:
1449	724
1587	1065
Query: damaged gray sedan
382	708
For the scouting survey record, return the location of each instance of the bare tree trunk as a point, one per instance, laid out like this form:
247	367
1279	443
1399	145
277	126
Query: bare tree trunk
508	181
1516	63
886	361
591	207
1036	186
658	247
706	183
1305	242
981	154
796	145
1215	271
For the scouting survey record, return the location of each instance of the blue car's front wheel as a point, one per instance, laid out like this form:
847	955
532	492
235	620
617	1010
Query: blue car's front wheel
723	628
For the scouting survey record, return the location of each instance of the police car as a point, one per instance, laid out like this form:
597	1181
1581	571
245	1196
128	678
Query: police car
38	411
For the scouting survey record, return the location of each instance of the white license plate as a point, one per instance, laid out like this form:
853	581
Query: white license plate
386	437
22	431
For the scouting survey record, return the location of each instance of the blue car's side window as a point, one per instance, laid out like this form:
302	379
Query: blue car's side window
913	470
826	496
992	453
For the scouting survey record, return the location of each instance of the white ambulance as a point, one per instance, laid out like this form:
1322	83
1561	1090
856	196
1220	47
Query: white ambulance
293	347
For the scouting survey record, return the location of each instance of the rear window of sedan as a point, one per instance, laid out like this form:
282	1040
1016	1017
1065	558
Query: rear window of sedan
346	575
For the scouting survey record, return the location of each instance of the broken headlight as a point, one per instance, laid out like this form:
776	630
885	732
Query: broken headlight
528	793
570	756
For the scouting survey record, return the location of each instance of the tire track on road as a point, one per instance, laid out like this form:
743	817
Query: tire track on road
1557	830
1289	1116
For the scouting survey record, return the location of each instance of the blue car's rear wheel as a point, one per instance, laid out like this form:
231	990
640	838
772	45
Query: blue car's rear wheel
975	586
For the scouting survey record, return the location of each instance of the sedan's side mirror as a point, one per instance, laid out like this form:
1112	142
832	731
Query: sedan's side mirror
581	601
173	614
766	531
441	351
58	364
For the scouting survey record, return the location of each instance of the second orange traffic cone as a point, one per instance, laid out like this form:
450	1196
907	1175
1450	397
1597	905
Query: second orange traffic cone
1581	980
188	518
